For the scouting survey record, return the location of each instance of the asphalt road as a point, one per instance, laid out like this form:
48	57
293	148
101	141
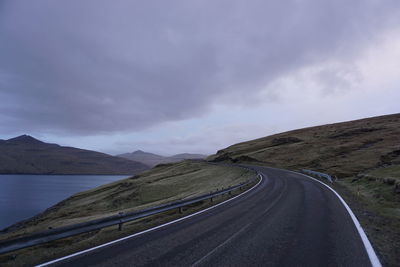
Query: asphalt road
288	220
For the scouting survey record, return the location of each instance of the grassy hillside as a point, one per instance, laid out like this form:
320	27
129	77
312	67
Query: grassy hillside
375	198
342	149
381	185
165	183
27	155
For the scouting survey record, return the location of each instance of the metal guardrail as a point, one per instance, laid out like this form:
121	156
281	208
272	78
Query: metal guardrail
319	174
80	228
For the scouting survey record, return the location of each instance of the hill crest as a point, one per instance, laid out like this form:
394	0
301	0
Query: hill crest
341	149
25	139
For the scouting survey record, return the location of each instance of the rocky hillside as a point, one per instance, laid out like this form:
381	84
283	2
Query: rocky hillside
27	155
341	149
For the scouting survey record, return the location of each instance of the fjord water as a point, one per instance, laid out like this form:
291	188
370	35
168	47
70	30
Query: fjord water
23	196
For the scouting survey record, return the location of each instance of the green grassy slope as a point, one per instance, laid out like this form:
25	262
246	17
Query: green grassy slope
375	197
162	184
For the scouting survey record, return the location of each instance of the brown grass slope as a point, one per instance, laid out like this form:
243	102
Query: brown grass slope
27	155
342	149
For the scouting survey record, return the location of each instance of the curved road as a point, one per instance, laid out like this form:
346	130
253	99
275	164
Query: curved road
288	220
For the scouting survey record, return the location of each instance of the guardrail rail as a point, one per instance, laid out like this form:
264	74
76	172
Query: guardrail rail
80	228
319	174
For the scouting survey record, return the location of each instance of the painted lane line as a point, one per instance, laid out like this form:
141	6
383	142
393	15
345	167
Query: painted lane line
148	230
198	262
221	245
367	244
277	199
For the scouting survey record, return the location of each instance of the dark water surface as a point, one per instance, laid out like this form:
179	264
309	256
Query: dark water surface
23	196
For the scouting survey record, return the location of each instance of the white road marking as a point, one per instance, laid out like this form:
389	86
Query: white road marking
277	199
221	245
148	230
368	247
198	262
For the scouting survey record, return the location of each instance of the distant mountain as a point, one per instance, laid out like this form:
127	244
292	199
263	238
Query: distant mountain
152	160
27	155
184	156
149	159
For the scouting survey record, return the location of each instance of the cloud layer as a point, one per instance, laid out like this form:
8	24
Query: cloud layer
99	67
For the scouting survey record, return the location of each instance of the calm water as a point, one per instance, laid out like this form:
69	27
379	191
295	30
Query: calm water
23	196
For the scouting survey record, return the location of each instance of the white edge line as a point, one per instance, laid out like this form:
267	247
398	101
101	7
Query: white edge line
148	230
367	244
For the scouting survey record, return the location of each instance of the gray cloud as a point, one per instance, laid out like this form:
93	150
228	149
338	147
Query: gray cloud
89	67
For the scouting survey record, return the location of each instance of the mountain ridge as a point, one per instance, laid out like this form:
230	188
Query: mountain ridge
25	154
152	159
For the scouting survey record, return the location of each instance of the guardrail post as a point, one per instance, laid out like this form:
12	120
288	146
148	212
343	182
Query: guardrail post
180	210
120	214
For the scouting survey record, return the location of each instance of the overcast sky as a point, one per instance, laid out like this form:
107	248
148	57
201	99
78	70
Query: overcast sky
192	76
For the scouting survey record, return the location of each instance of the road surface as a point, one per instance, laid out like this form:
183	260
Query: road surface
288	220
